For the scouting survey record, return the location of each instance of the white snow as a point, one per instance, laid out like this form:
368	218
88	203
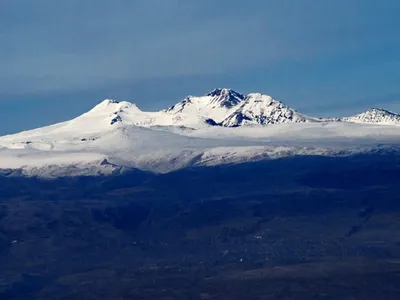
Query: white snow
115	135
262	109
216	105
306	132
375	116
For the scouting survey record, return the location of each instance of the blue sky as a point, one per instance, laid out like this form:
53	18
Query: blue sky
325	58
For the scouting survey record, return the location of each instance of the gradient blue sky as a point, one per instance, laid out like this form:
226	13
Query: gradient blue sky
323	57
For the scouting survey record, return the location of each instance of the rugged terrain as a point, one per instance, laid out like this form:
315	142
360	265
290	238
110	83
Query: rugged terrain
223	127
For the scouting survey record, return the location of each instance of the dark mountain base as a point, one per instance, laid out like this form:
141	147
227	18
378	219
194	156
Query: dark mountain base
296	228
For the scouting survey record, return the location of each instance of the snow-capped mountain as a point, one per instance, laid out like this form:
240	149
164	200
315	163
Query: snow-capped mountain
228	108
199	131
375	116
221	107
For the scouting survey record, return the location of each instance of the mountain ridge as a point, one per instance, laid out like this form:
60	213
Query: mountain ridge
228	108
117	135
375	115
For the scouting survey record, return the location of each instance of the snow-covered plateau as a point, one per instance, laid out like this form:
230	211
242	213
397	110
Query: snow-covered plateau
222	127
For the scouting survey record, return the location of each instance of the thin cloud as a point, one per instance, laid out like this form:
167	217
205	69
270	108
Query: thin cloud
56	46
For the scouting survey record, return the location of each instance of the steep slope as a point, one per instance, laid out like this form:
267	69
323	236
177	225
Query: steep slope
215	106
258	109
375	116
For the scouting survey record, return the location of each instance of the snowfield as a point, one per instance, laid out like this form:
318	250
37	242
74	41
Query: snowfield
117	136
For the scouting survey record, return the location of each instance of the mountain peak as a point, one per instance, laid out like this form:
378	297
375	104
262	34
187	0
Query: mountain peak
379	110
224	97
113	105
215	105
224	92
375	115
220	92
